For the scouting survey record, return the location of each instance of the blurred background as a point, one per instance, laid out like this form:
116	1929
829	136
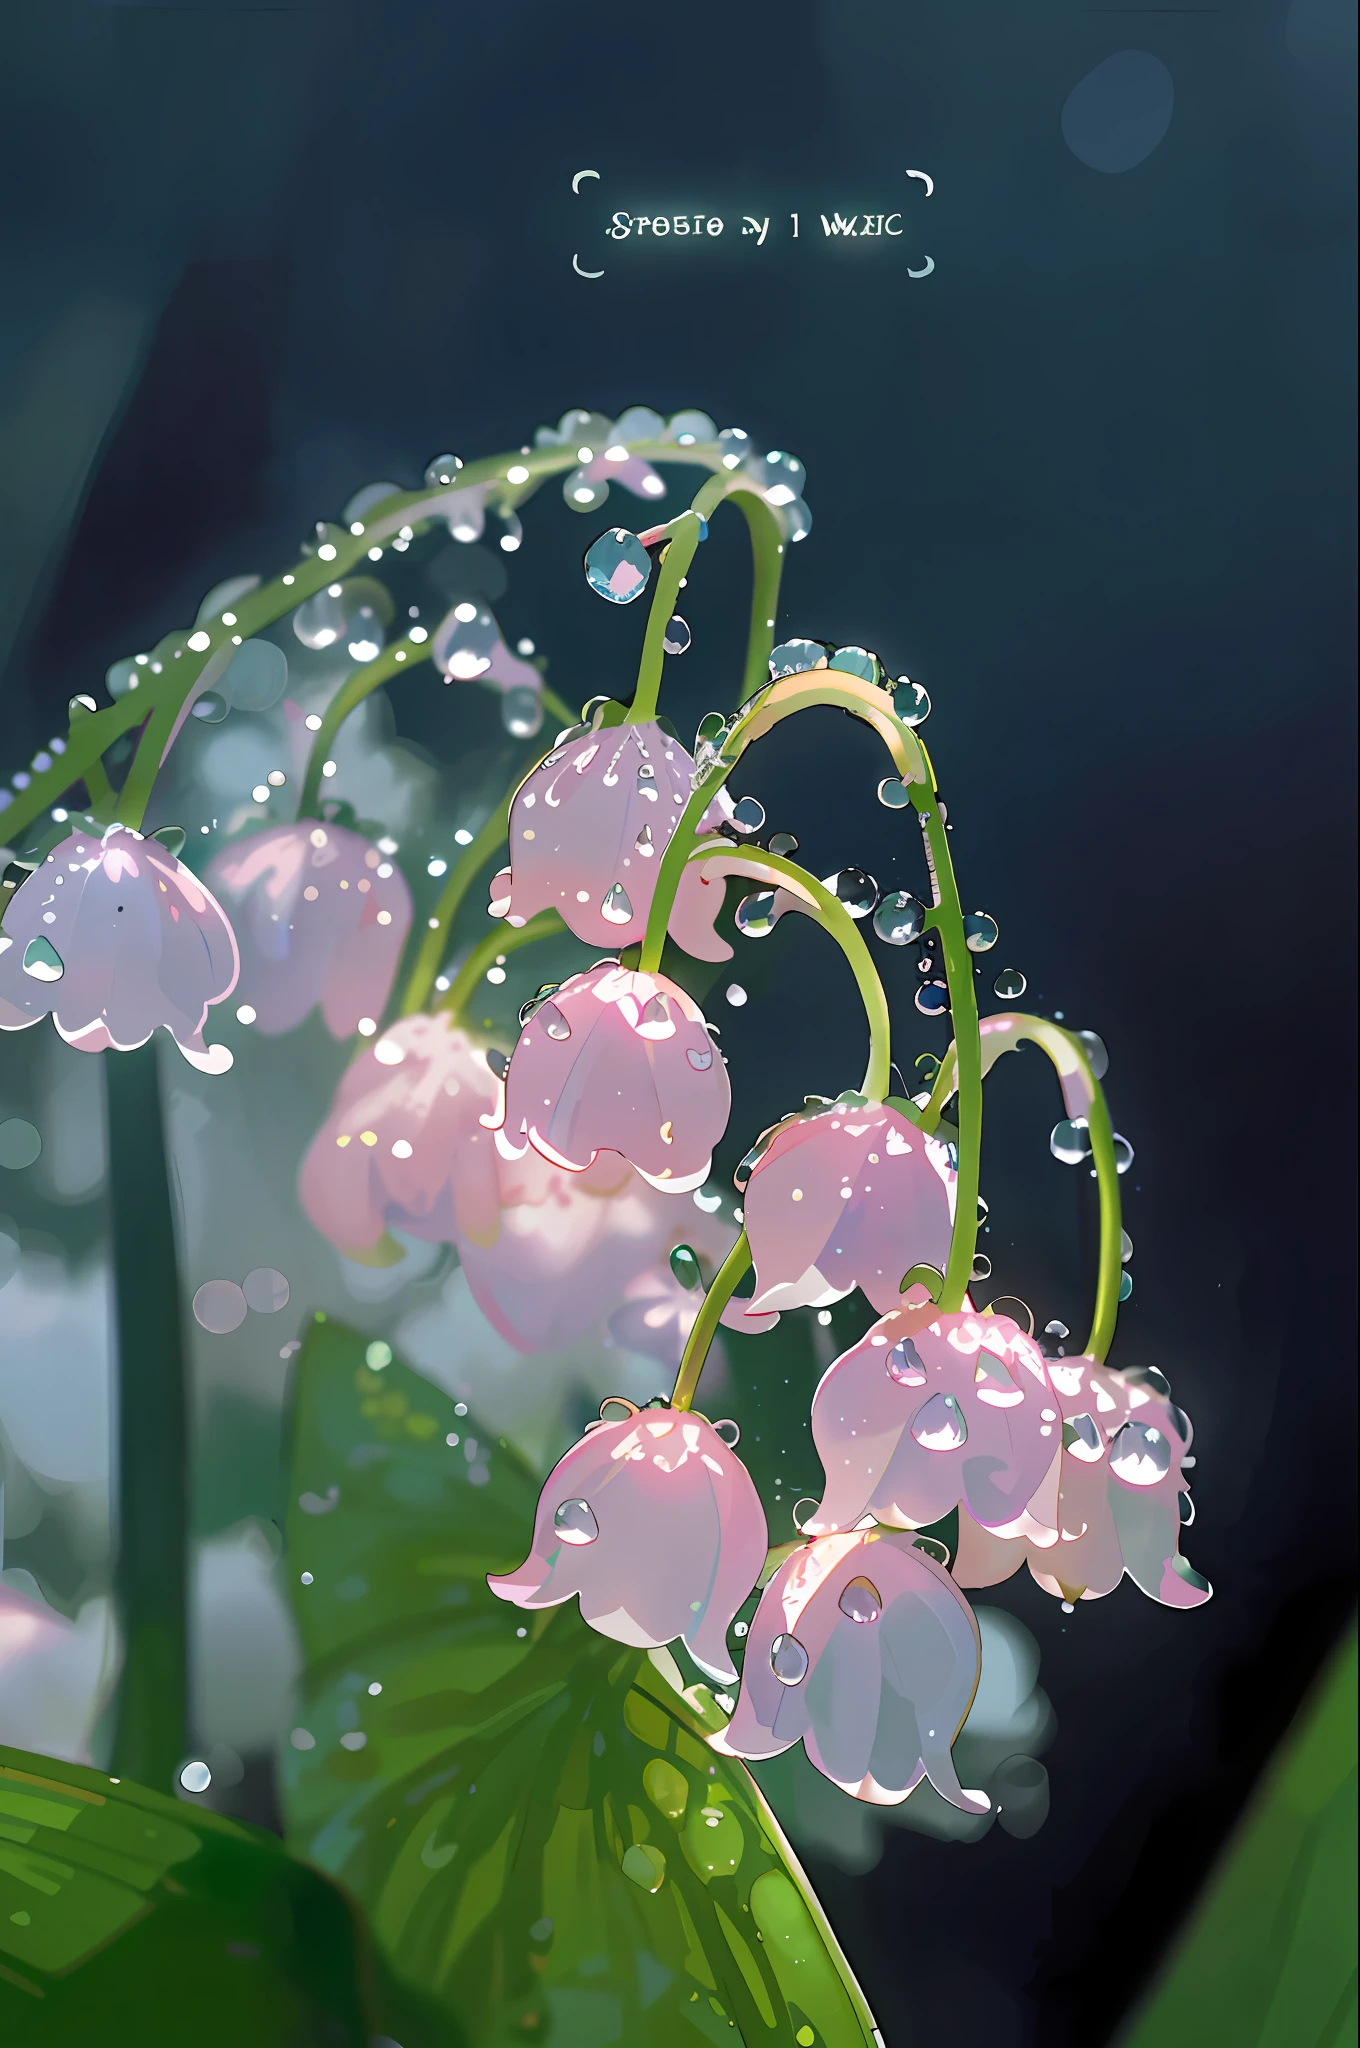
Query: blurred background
1090	481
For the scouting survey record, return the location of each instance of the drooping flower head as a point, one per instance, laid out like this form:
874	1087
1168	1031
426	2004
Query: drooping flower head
863	1649
655	1523
847	1194
111	936
929	1412
588	828
1114	1499
615	1061
403	1147
321	917
469	646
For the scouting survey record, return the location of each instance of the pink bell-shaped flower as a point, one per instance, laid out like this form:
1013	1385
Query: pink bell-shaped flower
847	1195
111	936
614	1061
929	1412
655	1523
864	1649
1113	1500
588	827
321	917
403	1146
658	1310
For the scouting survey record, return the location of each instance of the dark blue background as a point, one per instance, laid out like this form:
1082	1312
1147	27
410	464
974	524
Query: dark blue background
1091	481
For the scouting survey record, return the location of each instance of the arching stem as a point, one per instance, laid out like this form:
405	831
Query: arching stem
946	917
506	939
706	1323
402	654
1084	1100
685	532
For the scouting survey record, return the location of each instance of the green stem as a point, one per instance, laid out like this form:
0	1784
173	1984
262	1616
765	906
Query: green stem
685	532
946	917
402	654
706	1323
1083	1097
767	564
506	939
554	705
833	917
465	872
151	1576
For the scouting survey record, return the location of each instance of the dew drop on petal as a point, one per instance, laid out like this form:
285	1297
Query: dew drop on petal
1070	1141
616	906
860	1601
1009	984
1081	1437
644	844
553	1022
938	1425
905	1364
1140	1454
575	1522
900	918
788	1660
42	960
700	1061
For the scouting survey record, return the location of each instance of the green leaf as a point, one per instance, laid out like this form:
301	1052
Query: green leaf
528	1811
127	1916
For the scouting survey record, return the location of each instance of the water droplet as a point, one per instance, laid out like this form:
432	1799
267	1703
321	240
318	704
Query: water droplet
979	931
1125	1246
195	1777
645	1865
1123	1153
219	1306
1009	984
319	621
900	918
905	1364
646	782
1057	1329
442	470
1187	1509
1140	1455
42	960
911	702
618	565
758	915
748	815
1070	1141
685	1266
856	890
783	843
795	657
677	636
893	793
736	994
982	1266
210	708
615	906
553	1022
860	1601
575	1522
932	998
1125	1286
265	1290
522	711
1096	1053
712	726
700	1061
20	1145
857	661
643	843
1081	1436
938	1425
788	1660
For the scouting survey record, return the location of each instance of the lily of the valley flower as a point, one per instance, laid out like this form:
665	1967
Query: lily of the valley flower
1113	1500
655	1524
864	1649
849	1195
321	917
111	936
469	646
403	1147
929	1412
615	1061
587	831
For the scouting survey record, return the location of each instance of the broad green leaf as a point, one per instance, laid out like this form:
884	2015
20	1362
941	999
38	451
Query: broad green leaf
528	1812
126	1916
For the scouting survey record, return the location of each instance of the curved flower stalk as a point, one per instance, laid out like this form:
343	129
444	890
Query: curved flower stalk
658	1313
929	1412
655	1524
112	936
1114	1498
613	1061
863	1649
321	917
842	1195
588	827
404	1147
